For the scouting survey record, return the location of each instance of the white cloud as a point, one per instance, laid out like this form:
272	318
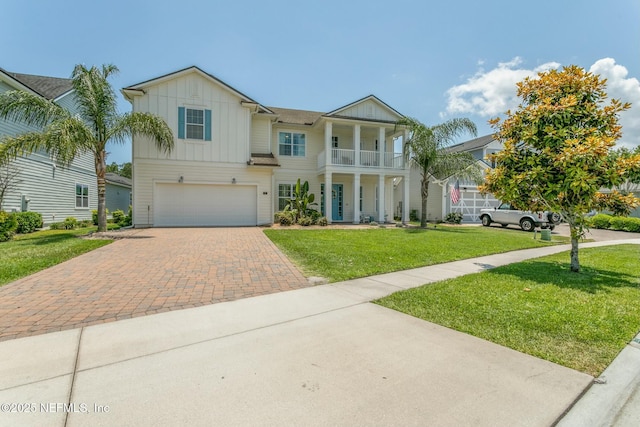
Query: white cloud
626	89
491	93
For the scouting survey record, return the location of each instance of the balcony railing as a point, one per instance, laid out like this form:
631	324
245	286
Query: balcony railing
368	159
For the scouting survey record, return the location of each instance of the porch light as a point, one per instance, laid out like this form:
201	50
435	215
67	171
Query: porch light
233	180
181	179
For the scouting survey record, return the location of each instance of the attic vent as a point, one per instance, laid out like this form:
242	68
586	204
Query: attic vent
369	111
194	88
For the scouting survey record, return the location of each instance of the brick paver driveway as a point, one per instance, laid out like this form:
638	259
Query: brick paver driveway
155	270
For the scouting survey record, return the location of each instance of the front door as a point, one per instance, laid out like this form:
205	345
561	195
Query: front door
336	202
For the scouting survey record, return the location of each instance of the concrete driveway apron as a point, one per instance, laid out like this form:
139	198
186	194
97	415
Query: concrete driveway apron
153	271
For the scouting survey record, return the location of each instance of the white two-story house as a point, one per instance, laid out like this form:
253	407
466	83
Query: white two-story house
236	161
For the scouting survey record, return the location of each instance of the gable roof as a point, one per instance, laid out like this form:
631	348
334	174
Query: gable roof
472	144
336	112
47	87
193	69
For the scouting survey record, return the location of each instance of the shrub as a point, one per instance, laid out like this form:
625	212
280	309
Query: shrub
413	215
94	215
617	223
632	224
8	226
453	218
118	216
56	226
323	221
85	223
28	222
305	221
601	221
70	223
285	218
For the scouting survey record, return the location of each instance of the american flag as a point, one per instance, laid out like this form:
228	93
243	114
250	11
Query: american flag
455	193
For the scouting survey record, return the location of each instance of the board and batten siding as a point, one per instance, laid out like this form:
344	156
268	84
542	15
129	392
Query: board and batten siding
50	188
261	135
230	122
147	173
369	110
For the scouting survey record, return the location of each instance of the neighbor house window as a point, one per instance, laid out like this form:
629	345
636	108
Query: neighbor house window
82	196
194	123
292	144
285	194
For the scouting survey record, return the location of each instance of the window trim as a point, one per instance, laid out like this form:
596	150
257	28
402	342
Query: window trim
81	196
291	188
292	133
183	124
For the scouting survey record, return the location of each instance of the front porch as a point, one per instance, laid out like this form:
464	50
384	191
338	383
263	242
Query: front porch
361	198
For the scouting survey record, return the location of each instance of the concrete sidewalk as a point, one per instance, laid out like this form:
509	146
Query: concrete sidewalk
315	356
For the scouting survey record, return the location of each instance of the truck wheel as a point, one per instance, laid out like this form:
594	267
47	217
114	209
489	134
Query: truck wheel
527	225
486	221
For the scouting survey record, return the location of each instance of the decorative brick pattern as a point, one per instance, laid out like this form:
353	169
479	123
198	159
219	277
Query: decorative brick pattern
153	271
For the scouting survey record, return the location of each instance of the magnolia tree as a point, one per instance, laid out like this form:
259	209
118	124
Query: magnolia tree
558	150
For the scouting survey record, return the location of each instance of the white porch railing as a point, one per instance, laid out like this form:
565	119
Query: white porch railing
371	159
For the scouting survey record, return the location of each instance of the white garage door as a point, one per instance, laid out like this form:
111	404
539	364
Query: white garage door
470	204
193	205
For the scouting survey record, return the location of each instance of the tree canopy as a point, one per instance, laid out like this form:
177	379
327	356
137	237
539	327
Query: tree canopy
557	150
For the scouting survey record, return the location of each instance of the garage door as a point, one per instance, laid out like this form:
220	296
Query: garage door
470	204
191	205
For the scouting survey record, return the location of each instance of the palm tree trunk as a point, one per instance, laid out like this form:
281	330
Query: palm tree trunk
101	167
424	192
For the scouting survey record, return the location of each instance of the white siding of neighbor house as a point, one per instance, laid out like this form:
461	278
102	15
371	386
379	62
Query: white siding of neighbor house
230	122
260	135
49	187
149	172
369	110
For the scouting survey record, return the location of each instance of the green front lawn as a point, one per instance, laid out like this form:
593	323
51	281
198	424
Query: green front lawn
539	307
342	254
29	253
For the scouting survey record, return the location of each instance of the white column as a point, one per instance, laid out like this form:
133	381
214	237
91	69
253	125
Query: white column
356	144
356	198
381	146
405	199
405	137
327	196
381	191
328	146
445	200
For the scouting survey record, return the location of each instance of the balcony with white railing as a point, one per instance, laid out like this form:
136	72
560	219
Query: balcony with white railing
366	159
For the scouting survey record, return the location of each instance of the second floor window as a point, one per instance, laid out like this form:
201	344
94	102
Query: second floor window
194	123
292	144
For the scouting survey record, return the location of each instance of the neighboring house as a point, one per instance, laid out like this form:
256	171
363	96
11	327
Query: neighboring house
40	185
471	201
236	161
118	192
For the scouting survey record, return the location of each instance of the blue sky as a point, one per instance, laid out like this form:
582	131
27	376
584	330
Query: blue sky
429	60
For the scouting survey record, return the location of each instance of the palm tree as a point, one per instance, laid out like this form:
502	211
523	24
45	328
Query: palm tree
65	135
426	150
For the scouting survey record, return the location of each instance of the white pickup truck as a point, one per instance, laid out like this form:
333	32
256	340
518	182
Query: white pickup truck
505	214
